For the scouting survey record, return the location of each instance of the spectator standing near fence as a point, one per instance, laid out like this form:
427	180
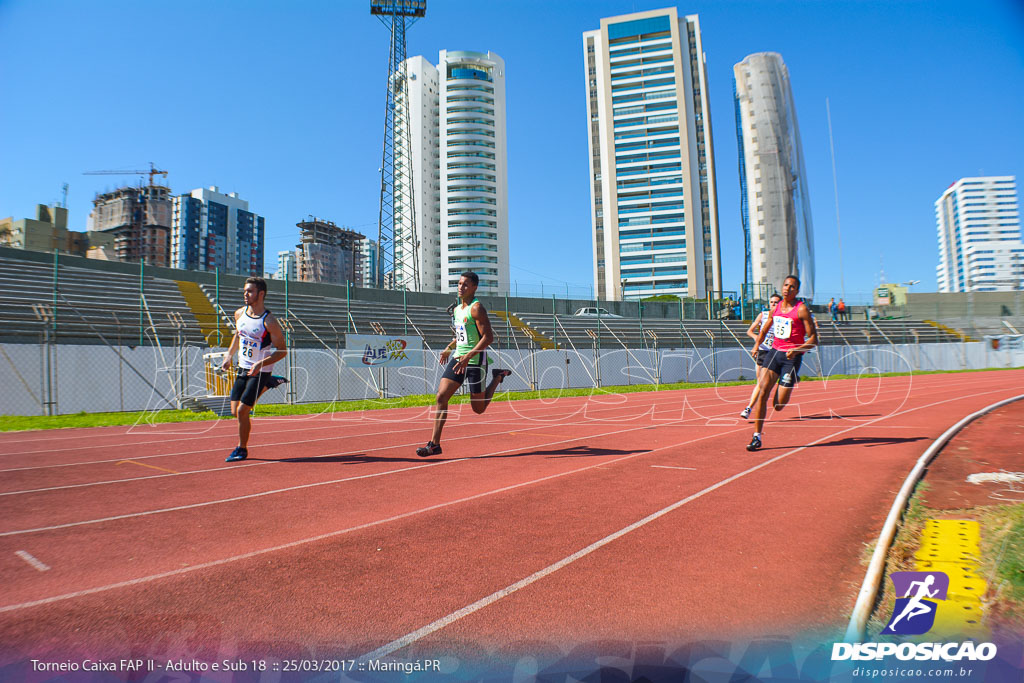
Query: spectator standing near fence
841	308
832	308
259	342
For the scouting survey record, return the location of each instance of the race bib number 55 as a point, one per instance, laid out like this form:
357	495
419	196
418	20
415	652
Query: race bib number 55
782	327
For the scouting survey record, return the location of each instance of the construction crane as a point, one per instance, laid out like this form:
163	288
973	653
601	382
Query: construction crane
151	172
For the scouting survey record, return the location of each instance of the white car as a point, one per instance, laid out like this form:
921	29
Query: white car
594	313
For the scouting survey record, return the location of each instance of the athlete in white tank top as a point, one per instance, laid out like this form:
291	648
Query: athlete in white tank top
260	342
254	344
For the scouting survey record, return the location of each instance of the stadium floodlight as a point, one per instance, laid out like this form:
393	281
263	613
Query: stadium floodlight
399	8
397	246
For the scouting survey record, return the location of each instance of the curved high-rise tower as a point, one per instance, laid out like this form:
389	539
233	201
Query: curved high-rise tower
774	200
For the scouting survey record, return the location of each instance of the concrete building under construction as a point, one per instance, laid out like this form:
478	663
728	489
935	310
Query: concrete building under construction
140	220
328	253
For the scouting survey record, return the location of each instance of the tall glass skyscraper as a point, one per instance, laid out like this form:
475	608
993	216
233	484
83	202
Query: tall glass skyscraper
652	173
774	203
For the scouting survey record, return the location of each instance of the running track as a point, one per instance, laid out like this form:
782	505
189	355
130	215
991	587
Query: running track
631	517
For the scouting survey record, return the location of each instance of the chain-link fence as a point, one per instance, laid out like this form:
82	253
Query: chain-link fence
65	378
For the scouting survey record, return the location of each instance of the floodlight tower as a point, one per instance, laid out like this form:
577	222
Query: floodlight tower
398	244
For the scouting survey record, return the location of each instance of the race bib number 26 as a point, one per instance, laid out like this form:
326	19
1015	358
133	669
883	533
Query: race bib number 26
782	327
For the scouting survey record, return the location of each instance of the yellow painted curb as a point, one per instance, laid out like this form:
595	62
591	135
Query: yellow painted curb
953	546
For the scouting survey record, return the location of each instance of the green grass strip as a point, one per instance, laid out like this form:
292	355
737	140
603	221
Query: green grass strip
11	423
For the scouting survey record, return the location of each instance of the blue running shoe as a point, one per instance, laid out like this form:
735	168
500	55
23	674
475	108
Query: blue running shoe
238	454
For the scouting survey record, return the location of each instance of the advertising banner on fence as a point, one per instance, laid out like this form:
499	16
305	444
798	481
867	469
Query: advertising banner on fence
382	351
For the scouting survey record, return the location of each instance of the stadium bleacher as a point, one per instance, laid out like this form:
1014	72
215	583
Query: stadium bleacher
637	333
91	303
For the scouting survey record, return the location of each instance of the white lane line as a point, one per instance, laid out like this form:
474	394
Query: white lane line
222	468
684	403
441	623
224	428
589	403
335	481
332	534
32	560
673	467
310	485
453	421
255	553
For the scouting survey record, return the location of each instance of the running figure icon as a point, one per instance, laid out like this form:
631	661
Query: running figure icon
915	607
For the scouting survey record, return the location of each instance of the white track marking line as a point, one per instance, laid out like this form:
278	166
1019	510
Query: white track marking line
332	534
222	468
453	421
229	432
215	563
683	402
32	560
672	467
331	482
327	455
583	403
441	623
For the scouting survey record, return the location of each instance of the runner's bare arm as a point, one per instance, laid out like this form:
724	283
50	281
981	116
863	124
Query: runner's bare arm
759	340
754	326
233	346
811	338
277	339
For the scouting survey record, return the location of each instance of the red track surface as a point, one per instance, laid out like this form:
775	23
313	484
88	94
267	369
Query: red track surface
629	517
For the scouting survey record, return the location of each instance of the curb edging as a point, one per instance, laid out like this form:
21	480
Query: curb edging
872	580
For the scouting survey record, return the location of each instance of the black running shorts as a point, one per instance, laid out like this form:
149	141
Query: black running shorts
762	354
247	388
475	375
785	368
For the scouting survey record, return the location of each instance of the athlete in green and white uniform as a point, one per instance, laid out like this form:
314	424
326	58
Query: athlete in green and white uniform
473	334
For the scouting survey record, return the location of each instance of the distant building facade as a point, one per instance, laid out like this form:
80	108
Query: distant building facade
139	219
458	154
654	207
46	232
328	253
287	265
774	201
980	246
369	253
212	230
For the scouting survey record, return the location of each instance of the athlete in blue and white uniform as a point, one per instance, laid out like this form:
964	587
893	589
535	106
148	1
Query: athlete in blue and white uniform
259	342
762	321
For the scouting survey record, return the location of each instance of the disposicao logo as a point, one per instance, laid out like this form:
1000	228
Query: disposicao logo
917	596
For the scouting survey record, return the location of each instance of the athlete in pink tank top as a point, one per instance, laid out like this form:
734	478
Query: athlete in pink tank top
794	334
788	327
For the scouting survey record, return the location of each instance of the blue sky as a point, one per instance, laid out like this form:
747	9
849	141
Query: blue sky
283	102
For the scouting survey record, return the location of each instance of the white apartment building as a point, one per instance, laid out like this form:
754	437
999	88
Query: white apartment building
287	265
654	206
774	201
459	162
980	246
